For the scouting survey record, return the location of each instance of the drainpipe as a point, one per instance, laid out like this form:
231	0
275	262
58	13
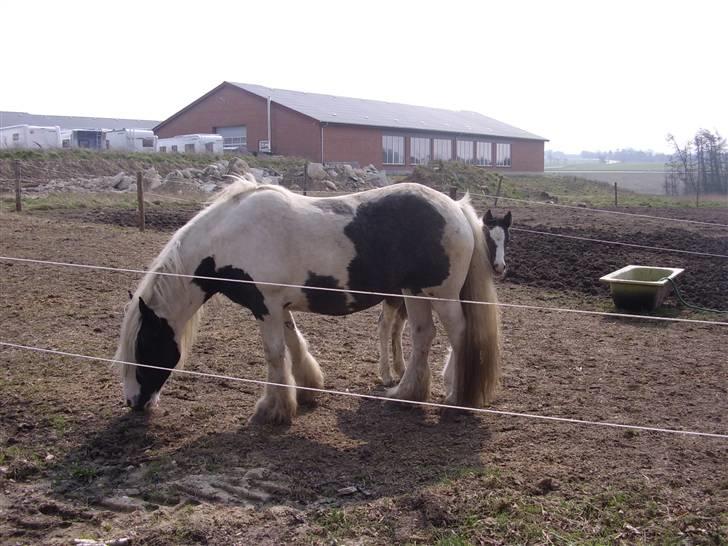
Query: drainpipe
270	144
322	143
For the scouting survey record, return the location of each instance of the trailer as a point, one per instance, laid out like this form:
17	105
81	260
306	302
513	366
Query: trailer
192	144
131	140
32	137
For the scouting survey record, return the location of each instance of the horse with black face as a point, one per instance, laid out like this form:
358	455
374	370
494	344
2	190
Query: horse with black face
393	317
273	251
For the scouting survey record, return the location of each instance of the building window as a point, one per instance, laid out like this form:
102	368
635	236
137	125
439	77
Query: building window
163	149
442	149
484	154
419	151
66	143
503	155
465	151
174	147
147	143
393	148
209	147
16	137
189	148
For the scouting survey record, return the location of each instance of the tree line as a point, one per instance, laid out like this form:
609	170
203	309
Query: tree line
699	166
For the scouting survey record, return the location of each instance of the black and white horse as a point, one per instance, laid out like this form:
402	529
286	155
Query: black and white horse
402	239
393	317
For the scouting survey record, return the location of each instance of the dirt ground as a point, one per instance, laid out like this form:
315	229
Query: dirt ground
74	463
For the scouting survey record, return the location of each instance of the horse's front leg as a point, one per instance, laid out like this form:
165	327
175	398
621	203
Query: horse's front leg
278	404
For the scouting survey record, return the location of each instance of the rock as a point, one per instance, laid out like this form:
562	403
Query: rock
211	170
122	181
316	171
121	504
259	174
237	166
208	188
329	185
151	179
378	179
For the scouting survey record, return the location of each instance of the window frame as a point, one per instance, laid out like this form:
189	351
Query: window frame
385	150
507	160
414	160
435	150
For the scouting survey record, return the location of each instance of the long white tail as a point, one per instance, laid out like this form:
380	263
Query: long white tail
478	376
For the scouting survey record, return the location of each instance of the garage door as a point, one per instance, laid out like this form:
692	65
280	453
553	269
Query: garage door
234	137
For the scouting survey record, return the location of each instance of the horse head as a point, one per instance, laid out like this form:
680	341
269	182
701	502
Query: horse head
497	237
152	344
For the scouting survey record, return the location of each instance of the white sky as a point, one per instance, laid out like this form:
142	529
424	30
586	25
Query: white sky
584	74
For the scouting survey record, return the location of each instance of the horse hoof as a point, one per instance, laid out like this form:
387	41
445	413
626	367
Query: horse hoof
306	398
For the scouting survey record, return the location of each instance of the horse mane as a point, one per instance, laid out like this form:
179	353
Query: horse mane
470	213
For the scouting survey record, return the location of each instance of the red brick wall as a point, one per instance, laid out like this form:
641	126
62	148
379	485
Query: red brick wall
294	134
527	155
347	143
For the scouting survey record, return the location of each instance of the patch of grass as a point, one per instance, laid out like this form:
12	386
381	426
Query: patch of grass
60	424
334	523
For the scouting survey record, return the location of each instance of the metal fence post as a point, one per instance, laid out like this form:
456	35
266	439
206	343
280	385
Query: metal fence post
305	177
615	195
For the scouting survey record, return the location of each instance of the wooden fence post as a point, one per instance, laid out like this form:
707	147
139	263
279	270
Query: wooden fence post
497	192
453	192
305	177
18	175
615	195
140	200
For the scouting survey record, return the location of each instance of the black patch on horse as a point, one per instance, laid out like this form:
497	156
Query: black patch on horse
243	294
335	206
155	346
323	301
398	242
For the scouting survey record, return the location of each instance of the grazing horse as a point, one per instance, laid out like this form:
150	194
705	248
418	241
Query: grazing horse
393	317
272	251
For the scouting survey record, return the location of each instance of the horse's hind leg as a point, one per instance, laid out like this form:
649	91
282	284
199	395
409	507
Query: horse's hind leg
397	354
306	370
384	326
278	404
453	319
415	383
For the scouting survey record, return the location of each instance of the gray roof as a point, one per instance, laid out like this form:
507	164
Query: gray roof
72	122
350	111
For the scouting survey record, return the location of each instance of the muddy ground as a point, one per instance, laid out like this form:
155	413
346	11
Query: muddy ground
75	464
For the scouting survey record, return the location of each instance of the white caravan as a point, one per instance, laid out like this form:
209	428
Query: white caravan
30	137
192	144
131	140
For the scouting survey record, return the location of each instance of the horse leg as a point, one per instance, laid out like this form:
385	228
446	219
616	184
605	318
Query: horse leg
306	370
397	354
278	404
453	319
384	326
415	383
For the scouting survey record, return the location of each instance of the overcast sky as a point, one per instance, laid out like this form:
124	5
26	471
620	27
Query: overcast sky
584	74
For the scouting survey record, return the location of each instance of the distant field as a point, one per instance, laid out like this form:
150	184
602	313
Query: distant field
645	178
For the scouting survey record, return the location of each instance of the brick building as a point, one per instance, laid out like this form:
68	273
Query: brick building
330	129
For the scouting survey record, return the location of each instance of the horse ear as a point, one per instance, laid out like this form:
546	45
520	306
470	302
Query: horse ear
507	219
131	296
488	219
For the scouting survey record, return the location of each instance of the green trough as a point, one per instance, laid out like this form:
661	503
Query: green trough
638	287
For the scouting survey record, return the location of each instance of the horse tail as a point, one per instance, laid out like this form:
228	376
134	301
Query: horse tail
479	375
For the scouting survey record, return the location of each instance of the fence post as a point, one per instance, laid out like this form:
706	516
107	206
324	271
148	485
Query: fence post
497	192
453	192
615	195
140	200
18	204
305	177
